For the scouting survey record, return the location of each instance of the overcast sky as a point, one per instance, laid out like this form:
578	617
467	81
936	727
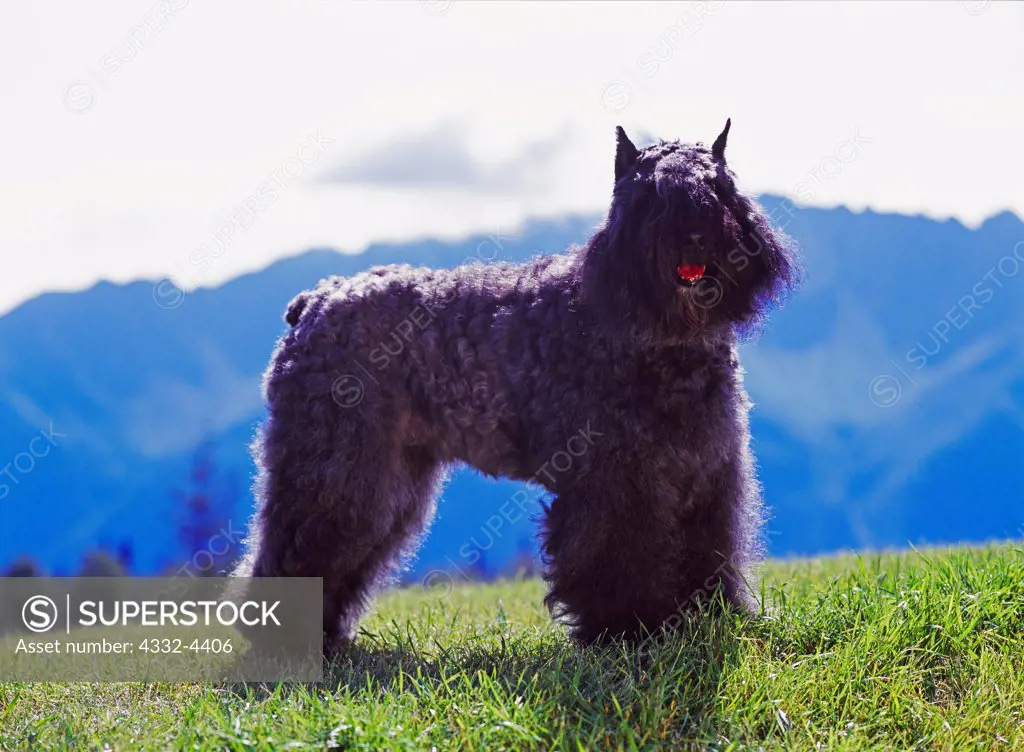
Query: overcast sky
139	136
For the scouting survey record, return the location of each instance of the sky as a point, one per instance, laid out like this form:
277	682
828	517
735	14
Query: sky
198	141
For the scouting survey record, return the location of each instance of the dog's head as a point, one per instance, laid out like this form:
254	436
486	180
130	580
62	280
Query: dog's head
682	247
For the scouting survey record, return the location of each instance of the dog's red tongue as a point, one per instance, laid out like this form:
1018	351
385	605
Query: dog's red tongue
691	272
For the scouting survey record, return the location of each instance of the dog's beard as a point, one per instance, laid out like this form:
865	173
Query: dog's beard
696	315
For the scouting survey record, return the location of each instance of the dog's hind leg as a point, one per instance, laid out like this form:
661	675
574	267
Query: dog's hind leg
340	504
406	509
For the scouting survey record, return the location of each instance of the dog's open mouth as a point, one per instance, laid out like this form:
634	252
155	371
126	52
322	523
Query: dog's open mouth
689	274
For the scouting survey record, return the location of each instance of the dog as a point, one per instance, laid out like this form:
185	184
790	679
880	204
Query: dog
627	344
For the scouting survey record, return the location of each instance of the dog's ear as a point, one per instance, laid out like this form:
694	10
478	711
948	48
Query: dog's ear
718	148
625	153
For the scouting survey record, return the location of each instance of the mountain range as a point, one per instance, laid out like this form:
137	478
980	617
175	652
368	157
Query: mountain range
889	396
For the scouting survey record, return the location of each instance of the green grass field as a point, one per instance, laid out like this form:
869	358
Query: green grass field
896	651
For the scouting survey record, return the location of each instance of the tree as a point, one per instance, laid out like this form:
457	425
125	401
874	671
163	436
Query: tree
205	516
23	567
101	563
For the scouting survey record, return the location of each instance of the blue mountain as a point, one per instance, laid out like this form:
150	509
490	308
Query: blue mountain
889	397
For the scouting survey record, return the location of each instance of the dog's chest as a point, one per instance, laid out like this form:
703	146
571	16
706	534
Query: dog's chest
668	380
647	398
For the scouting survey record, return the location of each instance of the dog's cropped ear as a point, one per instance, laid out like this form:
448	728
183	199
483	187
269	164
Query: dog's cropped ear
718	148
625	153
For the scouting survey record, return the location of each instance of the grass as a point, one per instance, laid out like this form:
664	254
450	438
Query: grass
921	650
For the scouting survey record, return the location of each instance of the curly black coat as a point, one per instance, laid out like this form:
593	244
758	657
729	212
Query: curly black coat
617	359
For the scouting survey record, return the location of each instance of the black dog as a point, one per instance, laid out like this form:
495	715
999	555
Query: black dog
628	342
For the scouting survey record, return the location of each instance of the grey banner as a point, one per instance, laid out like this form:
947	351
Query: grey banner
161	629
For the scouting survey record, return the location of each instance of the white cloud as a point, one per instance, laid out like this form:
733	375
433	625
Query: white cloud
207	105
440	158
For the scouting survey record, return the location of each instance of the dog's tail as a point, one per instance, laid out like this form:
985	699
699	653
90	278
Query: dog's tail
296	307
